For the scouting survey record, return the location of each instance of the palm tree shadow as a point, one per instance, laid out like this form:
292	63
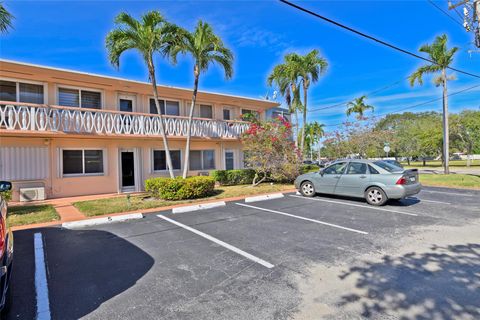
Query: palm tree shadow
442	283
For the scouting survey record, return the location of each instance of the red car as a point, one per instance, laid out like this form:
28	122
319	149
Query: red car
6	251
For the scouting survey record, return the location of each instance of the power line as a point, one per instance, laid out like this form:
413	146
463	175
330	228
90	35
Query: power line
367	94
445	12
372	38
415	105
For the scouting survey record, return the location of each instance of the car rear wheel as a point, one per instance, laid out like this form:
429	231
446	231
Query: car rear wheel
376	196
307	189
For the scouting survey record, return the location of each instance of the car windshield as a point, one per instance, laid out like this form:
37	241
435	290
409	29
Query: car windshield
388	166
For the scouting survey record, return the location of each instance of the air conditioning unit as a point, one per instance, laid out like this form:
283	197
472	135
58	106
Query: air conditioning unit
32	194
203	173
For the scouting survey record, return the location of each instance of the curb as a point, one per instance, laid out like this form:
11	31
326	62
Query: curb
199	207
99	221
144	212
264	197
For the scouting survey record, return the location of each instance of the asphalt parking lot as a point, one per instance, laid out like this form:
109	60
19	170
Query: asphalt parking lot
244	261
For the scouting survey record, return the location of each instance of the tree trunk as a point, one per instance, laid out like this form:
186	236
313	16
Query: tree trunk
408	160
297	128
190	118
151	70
302	142
255	182
446	153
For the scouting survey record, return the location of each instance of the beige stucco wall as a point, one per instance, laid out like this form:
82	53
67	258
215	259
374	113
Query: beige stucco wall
57	185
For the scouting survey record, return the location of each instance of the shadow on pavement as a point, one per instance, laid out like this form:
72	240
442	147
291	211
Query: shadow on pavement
85	269
440	284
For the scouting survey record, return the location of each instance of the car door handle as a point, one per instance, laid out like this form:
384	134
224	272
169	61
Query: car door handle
363	177
337	177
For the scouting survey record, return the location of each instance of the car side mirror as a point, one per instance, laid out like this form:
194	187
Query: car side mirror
321	172
5	186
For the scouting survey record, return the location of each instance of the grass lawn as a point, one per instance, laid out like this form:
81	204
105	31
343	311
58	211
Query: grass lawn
438	164
21	215
139	202
451	180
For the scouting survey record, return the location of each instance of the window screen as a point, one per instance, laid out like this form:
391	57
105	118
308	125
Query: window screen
160	161
72	162
8	91
93	161
208	159
31	93
68	97
195	160
206	111
91	100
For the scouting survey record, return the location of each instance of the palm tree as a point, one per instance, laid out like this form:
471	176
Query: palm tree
147	36
358	106
309	68
314	131
206	48
442	58
284	76
5	19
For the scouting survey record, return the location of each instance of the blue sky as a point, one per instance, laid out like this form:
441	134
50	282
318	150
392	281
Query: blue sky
70	34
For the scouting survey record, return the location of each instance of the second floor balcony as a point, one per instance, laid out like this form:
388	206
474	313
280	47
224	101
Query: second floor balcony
39	118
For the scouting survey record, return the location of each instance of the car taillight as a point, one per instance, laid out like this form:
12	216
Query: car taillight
402	180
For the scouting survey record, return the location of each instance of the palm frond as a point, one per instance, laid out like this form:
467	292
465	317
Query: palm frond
5	19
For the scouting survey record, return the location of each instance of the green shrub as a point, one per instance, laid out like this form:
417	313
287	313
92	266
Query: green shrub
179	188
305	168
6	195
233	177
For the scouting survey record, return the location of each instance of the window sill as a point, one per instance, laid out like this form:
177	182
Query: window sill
76	175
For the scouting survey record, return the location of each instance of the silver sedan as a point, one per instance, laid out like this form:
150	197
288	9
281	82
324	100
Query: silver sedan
376	181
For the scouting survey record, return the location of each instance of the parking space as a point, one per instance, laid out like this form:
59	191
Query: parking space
240	261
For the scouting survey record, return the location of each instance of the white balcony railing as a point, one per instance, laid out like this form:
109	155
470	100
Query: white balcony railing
46	118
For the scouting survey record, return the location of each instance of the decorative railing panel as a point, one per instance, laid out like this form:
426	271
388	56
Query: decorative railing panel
32	117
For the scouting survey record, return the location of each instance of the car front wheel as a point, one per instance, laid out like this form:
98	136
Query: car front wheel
376	196
307	189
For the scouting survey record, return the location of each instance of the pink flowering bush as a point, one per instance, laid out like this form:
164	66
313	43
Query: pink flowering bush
269	150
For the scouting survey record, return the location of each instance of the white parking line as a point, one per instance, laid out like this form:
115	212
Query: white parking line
220	242
41	284
357	205
451	193
302	218
423	200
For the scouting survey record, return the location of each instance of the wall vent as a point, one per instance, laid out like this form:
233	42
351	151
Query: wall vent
32	194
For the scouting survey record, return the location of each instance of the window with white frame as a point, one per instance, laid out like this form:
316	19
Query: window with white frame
82	162
206	111
69	97
160	160
167	107
21	92
202	160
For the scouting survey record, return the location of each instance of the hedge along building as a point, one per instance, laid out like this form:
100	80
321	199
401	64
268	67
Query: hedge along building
68	133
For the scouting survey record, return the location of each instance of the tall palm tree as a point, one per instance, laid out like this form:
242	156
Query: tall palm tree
148	35
358	106
206	48
285	77
442	58
309	67
314	131
5	19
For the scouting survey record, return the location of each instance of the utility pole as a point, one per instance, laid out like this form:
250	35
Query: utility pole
471	17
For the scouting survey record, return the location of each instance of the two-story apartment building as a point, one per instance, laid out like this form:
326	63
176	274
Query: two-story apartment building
71	133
